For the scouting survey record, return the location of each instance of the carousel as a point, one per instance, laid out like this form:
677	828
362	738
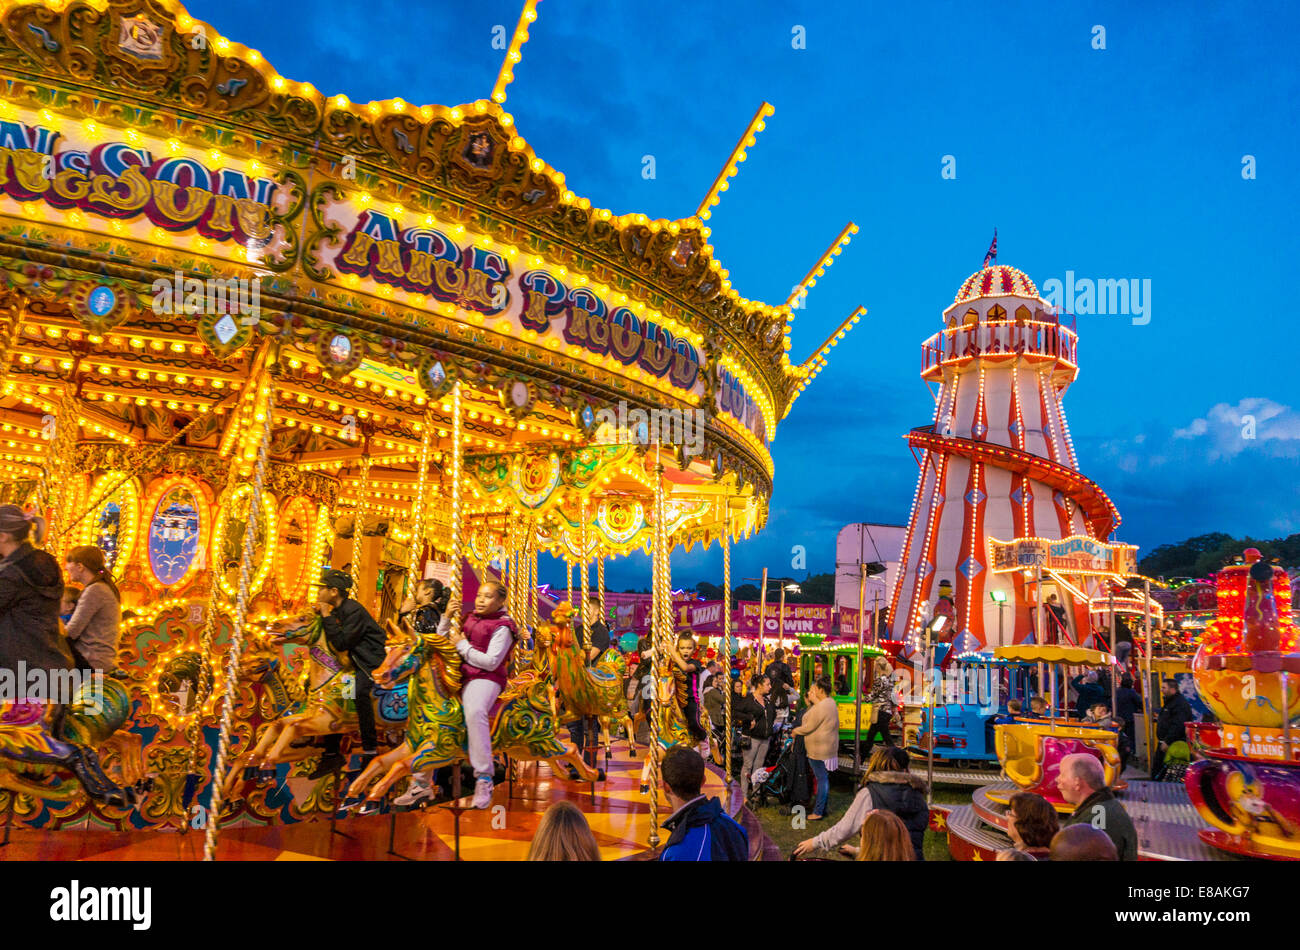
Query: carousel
251	331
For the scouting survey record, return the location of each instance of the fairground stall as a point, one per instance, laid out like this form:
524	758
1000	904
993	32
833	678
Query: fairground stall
250	330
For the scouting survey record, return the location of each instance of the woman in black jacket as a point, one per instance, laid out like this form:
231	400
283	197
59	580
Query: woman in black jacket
888	786
31	588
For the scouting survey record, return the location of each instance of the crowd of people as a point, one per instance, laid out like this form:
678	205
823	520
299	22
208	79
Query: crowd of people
70	618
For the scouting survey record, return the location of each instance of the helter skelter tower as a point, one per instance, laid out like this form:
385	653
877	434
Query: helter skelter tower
997	464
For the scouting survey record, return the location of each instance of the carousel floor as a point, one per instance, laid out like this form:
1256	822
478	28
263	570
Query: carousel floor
618	814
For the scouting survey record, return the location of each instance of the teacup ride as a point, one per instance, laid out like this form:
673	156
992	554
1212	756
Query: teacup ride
1031	750
1247	786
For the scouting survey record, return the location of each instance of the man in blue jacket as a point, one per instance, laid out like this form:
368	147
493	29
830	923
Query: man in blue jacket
700	828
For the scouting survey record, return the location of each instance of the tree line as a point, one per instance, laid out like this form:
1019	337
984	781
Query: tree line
1204	554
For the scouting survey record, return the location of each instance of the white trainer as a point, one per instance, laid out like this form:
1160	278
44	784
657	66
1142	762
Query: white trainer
419	791
483	793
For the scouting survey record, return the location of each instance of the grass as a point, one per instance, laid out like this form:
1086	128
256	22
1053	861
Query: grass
780	829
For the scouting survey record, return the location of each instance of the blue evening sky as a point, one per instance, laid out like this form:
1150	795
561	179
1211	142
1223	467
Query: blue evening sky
1117	163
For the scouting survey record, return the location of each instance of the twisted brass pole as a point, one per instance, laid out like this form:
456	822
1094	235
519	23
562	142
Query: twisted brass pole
456	593
582	565
421	504
359	518
726	634
657	666
600	585
237	633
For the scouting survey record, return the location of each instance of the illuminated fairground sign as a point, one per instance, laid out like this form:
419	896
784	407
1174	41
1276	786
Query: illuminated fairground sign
1076	554
706	618
795	619
244	212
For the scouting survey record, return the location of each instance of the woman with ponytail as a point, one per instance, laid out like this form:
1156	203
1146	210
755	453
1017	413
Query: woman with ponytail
93	629
31	588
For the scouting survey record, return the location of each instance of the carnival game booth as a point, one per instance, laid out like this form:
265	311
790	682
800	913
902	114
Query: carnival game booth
250	330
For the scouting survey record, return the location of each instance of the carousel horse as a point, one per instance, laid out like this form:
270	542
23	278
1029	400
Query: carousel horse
324	707
524	721
595	690
39	755
672	724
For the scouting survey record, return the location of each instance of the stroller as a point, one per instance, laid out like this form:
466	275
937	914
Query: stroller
779	777
718	747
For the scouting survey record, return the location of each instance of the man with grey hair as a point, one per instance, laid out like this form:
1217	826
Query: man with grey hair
1082	783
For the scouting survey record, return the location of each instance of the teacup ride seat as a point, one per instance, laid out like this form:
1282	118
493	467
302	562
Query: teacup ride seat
1031	754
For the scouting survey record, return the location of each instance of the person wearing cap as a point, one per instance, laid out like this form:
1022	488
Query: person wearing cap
485	641
350	629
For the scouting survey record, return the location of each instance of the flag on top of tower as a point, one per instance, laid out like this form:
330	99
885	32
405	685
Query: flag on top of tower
992	254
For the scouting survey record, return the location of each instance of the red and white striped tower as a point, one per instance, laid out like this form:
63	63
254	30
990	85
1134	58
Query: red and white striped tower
996	463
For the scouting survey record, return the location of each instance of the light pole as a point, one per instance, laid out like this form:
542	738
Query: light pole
999	597
936	626
786	584
864	570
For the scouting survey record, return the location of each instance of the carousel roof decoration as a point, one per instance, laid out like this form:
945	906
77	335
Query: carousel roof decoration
393	249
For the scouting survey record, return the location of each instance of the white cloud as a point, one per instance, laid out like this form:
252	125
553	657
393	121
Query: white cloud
1254	422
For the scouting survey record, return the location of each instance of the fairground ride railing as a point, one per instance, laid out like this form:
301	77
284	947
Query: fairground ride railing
1000	338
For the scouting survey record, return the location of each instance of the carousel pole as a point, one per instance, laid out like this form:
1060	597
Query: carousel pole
240	619
54	489
656	636
591	725
514	592
359	516
416	553
193	726
726	635
456	579
582	564
455	598
516	565
530	568
600	586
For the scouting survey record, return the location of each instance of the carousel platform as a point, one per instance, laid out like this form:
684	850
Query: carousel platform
1167	824
618	814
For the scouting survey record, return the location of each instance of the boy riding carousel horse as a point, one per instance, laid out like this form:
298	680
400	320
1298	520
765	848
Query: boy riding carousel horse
349	628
